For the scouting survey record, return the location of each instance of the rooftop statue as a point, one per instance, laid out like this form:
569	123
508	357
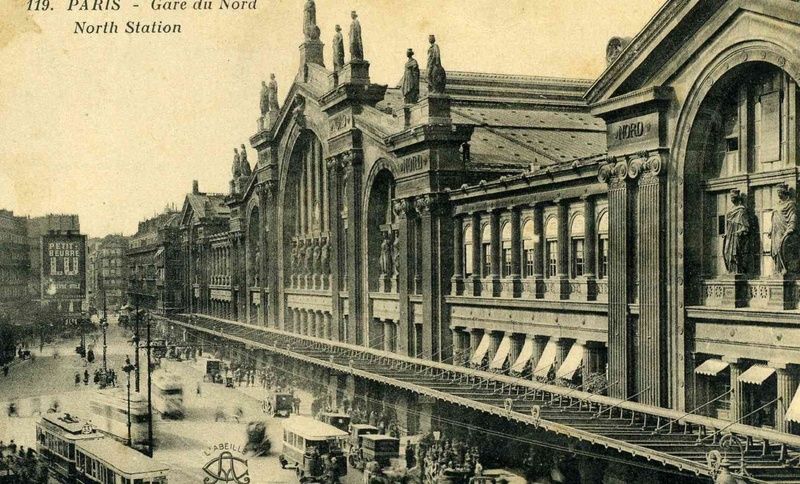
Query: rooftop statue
310	28
245	165
410	83
237	166
338	49
437	78
356	46
273	93
264	99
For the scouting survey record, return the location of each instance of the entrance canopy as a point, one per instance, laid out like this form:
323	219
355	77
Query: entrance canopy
547	360
711	367
756	374
524	357
480	352
571	363
502	353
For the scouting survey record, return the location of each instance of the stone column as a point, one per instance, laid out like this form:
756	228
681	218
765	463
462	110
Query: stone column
475	336
539	344
538	252
334	226
403	210
457	348
589	248
516	253
563	270
476	253
787	386
494	230
737	397
563	346
516	348
329	330
495	337
353	162
457	284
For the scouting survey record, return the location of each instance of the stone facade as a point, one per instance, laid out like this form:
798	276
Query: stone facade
15	266
109	286
154	264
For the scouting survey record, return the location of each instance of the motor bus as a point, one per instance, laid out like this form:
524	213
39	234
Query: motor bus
380	448
110	415
168	395
339	420
359	430
279	404
56	437
308	444
109	462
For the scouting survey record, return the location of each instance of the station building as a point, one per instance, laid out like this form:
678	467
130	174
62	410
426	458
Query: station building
632	235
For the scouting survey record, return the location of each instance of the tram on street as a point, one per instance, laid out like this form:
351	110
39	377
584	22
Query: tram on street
308	444
339	420
56	438
110	415
109	462
168	395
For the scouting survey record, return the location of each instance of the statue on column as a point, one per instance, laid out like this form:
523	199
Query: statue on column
245	165
410	83
356	46
310	28
264	99
737	229
338	49
385	260
437	78
273	94
784	223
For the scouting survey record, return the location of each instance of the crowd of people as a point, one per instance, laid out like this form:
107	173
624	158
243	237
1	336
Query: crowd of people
24	464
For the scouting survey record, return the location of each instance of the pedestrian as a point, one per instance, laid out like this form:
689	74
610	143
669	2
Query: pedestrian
86	377
5	370
77	379
198	388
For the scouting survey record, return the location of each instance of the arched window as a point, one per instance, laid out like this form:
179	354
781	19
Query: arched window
468	269
602	246
577	245
505	237
551	246
486	251
527	248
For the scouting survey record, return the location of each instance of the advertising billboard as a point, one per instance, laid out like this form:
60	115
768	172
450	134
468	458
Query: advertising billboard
63	266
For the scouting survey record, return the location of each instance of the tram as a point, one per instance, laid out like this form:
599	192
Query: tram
168	395
110	462
56	438
110	415
308	444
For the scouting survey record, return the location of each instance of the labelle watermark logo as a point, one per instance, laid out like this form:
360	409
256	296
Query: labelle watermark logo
226	467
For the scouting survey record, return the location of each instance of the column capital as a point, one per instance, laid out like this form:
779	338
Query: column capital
429	203
403	207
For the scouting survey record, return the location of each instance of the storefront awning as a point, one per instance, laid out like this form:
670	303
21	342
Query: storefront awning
480	352
711	367
524	357
502	353
547	360
756	374
793	411
571	363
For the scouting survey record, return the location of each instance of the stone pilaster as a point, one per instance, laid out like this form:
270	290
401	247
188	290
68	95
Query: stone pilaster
457	282
493	281
537	284
476	254
737	387
353	166
335	234
515	278
787	381
403	210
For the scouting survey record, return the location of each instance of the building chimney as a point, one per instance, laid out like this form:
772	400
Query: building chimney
195	187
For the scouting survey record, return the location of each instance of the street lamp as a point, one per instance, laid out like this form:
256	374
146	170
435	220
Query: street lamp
104	326
128	368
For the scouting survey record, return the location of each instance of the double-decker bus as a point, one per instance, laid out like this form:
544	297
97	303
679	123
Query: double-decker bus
56	438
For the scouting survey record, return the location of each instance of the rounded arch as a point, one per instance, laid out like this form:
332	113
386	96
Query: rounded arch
486	234
253	249
379	230
602	222
577	225
551	227
505	232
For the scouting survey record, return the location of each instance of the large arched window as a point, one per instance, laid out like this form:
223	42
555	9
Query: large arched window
486	251
602	246
577	245
551	246
468	269
505	239
382	240
527	248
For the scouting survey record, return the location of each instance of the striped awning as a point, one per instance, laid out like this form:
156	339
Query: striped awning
524	357
481	350
547	360
756	374
711	367
502	353
571	363
793	411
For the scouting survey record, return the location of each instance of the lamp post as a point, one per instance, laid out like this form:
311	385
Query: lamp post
136	342
104	326
128	368
149	396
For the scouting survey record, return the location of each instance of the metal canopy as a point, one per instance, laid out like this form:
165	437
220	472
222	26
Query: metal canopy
756	374
711	367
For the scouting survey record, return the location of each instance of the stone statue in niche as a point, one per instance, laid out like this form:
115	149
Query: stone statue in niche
325	257
301	257
396	255
315	258
245	165
783	235
257	267
310	28
386	256
737	230
273	94
338	49
437	78
410	83
356	46
307	259
264	98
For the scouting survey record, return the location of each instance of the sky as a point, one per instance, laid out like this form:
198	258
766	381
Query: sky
116	127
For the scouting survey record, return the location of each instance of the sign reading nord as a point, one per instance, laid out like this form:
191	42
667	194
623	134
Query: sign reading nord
633	134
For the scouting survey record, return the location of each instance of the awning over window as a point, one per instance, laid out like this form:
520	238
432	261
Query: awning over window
571	363
502	353
480	352
793	412
547	360
524	356
756	374
711	367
